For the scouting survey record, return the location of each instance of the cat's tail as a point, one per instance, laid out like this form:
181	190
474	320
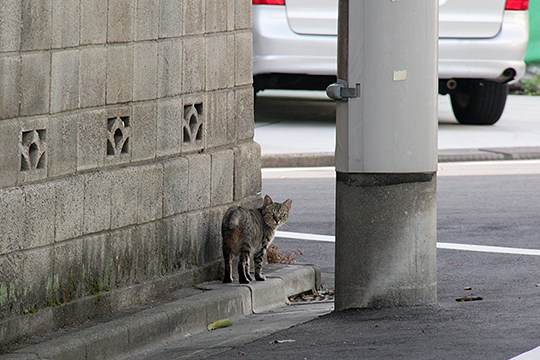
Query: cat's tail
232	219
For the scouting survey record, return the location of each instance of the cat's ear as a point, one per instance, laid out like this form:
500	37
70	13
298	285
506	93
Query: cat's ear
267	200
288	204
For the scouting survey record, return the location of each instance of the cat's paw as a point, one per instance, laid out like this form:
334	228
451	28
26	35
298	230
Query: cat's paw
260	277
243	281
248	277
227	280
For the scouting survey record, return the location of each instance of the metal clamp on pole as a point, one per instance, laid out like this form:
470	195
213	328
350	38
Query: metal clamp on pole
340	91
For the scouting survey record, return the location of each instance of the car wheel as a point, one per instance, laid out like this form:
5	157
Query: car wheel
479	102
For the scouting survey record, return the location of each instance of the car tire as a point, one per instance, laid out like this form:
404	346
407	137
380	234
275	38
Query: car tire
479	102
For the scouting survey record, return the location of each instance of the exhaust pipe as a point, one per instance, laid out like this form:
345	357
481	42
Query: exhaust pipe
507	76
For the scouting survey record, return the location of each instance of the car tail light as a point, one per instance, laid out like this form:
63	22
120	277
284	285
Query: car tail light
517	4
268	2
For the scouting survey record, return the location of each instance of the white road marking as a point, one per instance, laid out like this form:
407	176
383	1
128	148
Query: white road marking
440	245
489	249
476	168
534	354
299	172
303	236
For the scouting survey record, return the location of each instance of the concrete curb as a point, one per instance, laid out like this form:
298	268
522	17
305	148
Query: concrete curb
182	317
298	160
446	155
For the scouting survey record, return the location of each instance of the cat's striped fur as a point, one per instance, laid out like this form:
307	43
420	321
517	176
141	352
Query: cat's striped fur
248	232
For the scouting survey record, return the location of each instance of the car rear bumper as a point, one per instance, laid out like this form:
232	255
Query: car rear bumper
277	49
487	58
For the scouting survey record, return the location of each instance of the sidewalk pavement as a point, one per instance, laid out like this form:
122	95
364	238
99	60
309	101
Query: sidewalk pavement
293	138
314	159
288	145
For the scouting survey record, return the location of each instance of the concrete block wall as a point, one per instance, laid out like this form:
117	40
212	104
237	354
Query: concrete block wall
126	131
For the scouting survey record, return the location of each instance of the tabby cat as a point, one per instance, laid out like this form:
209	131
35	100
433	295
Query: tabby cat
249	232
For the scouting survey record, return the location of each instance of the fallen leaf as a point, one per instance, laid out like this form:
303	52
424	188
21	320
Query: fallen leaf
220	324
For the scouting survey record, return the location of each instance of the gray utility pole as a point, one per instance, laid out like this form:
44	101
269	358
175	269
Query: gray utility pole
386	153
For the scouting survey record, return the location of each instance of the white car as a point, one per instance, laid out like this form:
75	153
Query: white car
482	45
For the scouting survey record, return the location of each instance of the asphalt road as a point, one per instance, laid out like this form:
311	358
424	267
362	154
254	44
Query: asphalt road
488	244
497	207
486	210
492	206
